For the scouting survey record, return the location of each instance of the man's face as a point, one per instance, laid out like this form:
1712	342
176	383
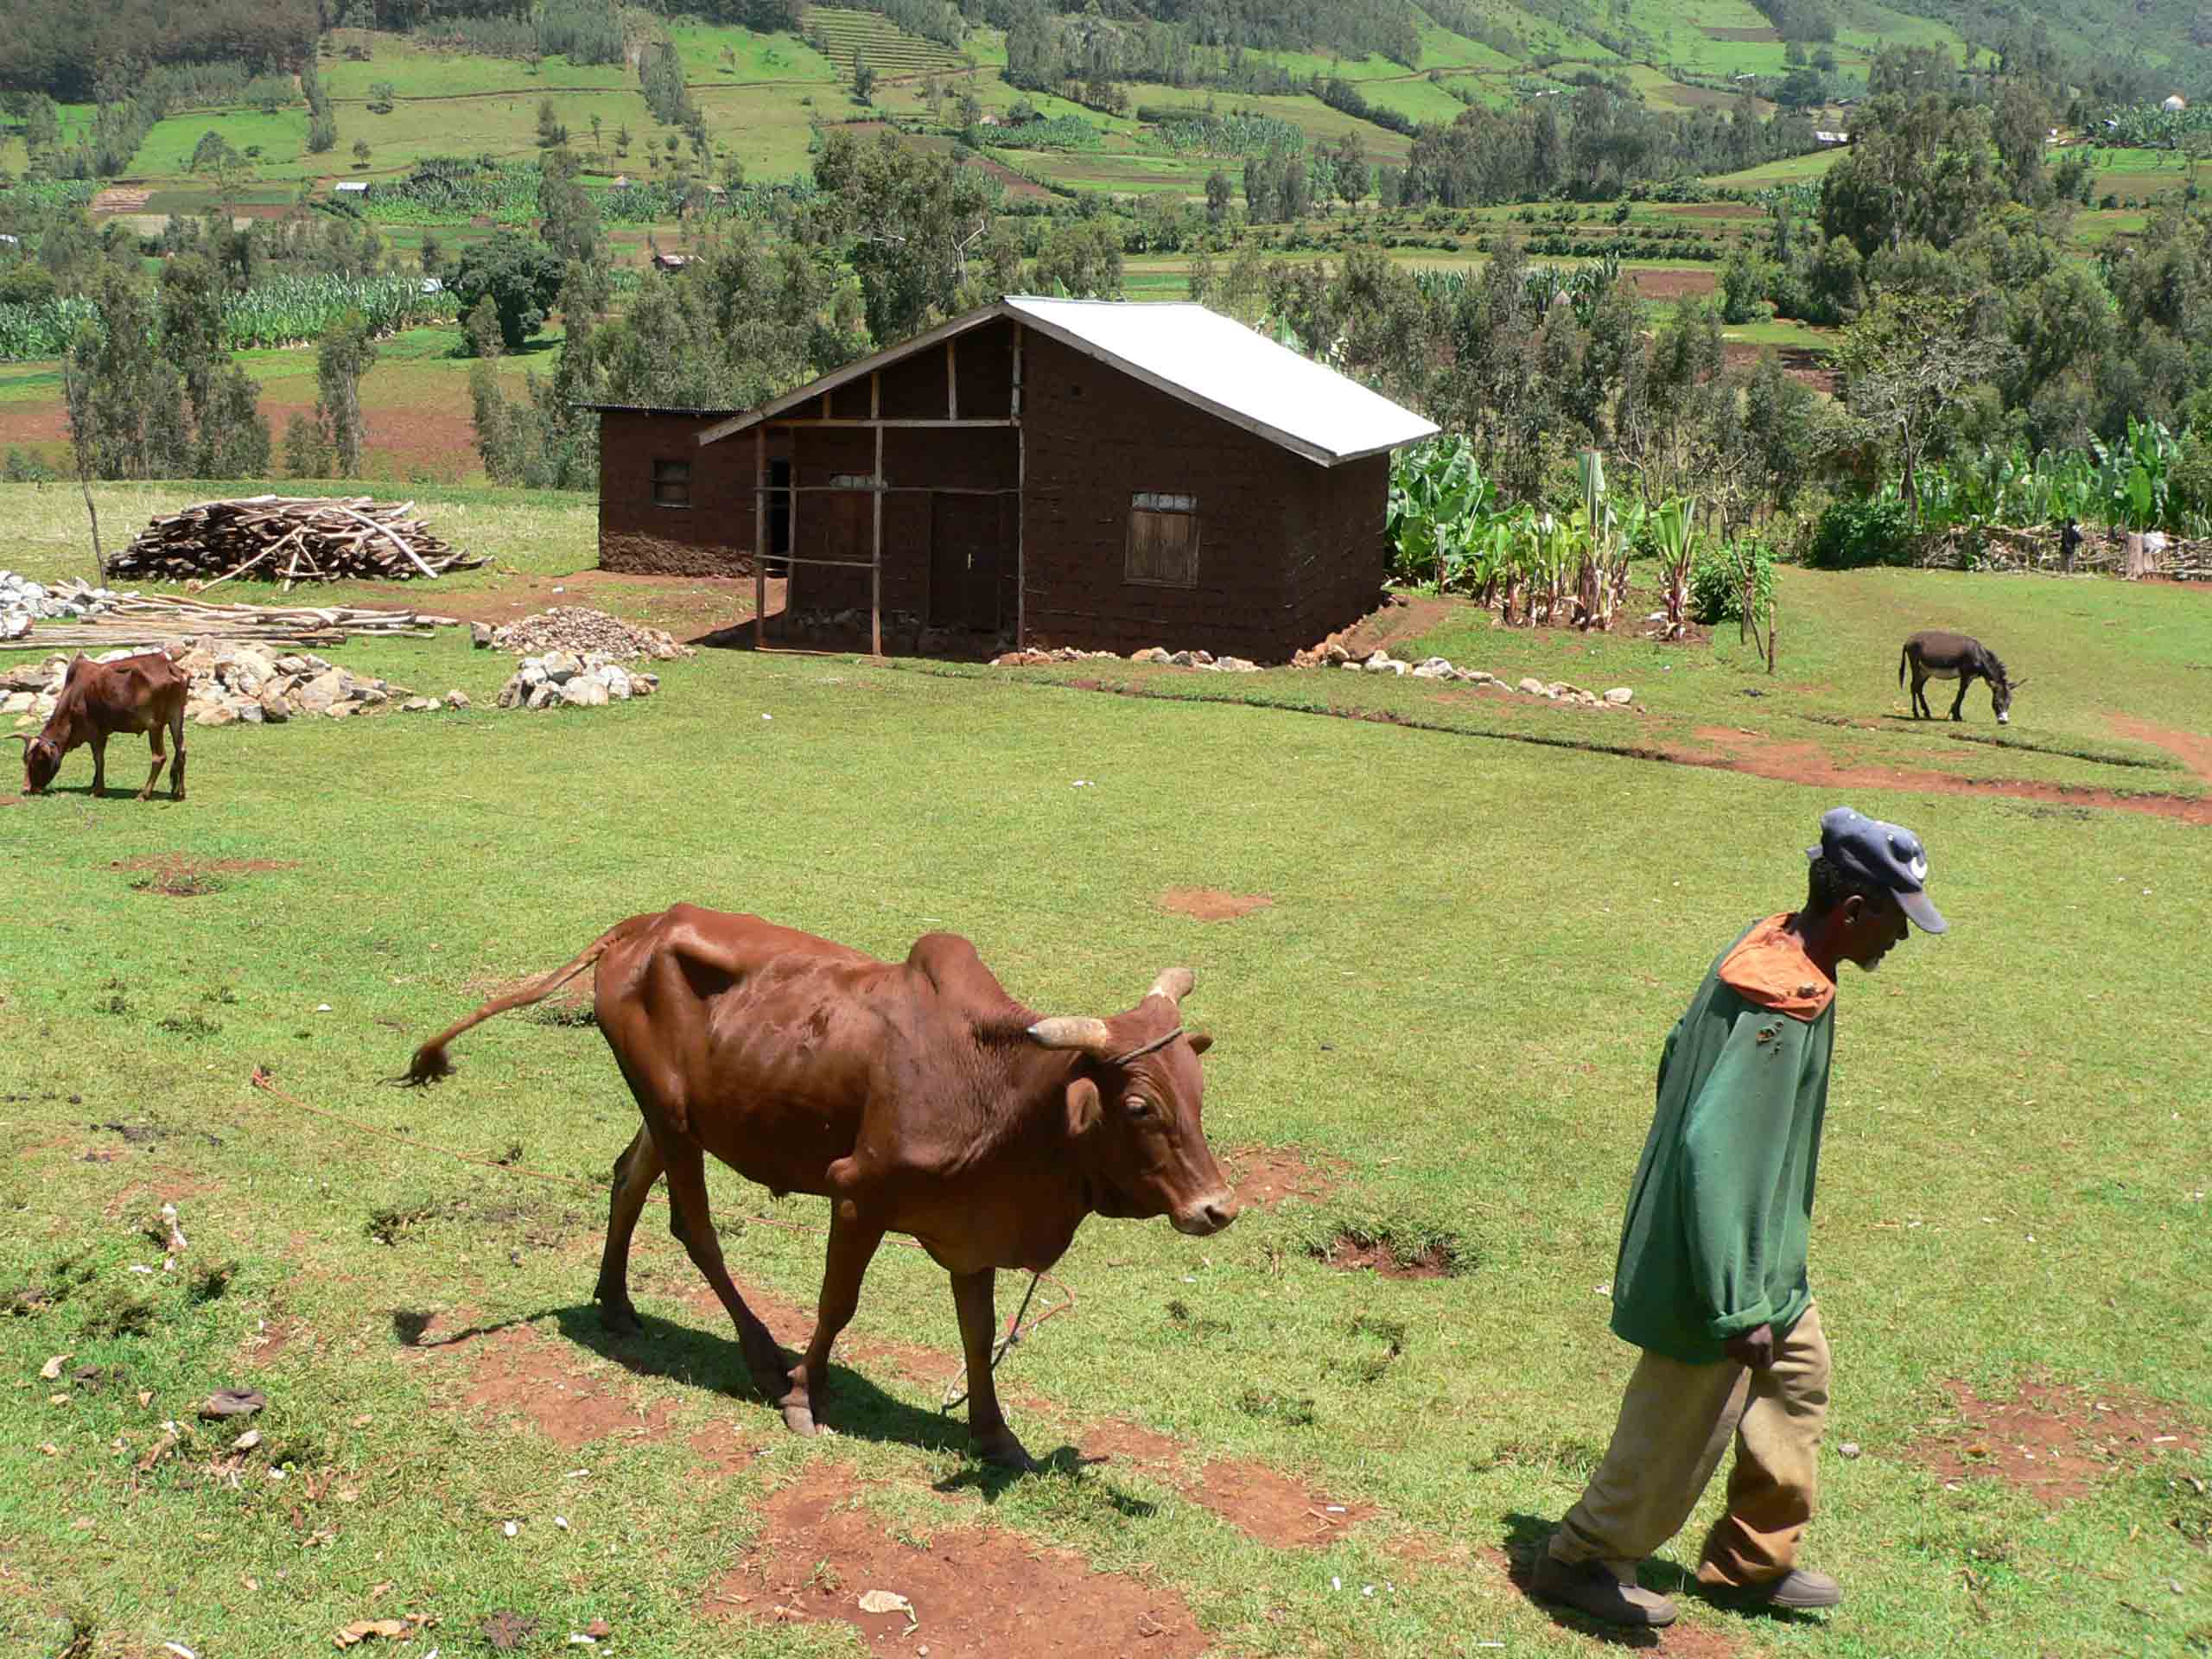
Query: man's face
1872	929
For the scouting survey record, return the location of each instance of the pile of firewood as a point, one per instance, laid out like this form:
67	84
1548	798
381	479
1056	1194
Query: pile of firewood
288	539
139	620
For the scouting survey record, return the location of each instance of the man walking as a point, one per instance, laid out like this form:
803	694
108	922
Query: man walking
1711	1280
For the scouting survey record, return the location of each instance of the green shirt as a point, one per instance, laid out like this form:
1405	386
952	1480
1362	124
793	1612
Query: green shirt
1722	1205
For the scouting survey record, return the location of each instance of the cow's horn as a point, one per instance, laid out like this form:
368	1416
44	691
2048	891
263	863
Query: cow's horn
1071	1031
1174	984
24	738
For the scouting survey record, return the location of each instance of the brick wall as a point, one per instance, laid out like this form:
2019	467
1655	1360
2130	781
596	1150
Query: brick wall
713	537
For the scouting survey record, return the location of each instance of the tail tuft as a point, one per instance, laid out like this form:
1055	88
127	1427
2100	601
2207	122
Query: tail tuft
430	1065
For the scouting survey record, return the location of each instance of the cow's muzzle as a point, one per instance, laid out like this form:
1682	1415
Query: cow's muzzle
1208	1215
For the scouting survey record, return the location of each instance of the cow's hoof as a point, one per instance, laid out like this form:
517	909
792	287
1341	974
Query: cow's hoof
620	1318
800	1419
1002	1449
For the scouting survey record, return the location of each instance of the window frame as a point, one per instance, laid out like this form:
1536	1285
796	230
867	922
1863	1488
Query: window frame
1162	507
660	479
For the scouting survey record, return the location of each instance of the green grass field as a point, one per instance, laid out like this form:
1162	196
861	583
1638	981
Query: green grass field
1472	950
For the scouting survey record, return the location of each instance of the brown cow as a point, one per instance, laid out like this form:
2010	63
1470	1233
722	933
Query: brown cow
918	1098
137	694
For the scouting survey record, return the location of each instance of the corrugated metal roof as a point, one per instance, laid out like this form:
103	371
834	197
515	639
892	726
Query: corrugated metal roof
1228	370
1212	362
650	409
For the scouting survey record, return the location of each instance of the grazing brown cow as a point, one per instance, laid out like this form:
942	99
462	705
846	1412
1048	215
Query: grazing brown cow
919	1097
137	694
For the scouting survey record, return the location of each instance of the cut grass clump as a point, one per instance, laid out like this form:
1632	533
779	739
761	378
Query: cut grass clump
114	1311
1294	1411
388	1222
1396	1247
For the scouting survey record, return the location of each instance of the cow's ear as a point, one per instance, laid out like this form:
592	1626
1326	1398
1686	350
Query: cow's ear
1200	1041
1083	1106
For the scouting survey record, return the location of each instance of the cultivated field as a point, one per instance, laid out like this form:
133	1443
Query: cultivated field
1470	921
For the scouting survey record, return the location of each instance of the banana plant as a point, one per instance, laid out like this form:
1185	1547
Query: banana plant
1674	533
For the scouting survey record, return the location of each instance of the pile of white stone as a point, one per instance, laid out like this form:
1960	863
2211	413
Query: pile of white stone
577	629
1438	668
566	679
1206	659
236	683
23	601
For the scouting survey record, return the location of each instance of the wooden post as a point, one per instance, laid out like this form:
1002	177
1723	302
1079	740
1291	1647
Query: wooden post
761	537
791	536
951	381
1020	505
876	497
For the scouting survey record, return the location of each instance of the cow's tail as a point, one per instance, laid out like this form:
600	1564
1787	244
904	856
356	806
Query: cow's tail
1904	657
431	1063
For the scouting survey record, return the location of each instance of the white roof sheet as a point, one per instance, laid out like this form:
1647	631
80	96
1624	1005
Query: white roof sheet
1221	366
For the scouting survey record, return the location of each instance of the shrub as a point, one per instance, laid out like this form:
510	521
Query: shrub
1872	530
1717	582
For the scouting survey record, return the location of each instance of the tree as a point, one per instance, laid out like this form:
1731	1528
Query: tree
622	139
971	111
1081	259
1352	173
550	132
345	353
596	122
361	152
568	219
1220	196
126	403
322	133
916	219
864	78
519	276
1902	365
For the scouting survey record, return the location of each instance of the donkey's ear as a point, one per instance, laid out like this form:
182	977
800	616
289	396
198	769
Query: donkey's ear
2014	685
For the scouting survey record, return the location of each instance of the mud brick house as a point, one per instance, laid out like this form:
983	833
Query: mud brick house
1037	473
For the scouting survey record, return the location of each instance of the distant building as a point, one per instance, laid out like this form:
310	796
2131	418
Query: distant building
430	285
1821	138
2175	104
671	261
351	188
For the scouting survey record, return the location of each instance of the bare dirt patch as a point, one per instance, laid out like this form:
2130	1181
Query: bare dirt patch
1806	763
1674	284
1212	905
687	607
1265	1176
521	1371
2192	749
1261	1503
1352	1254
1798	362
176	876
976	1594
2053	1441
1408	616
271	1340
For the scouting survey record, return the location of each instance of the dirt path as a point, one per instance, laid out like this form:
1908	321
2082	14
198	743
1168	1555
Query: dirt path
2192	749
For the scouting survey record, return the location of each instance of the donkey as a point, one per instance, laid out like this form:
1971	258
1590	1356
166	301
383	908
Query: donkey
1935	655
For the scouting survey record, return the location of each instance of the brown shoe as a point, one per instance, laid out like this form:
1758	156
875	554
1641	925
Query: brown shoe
1590	1587
1799	1590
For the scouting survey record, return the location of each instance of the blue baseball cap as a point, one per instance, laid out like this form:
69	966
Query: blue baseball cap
1887	854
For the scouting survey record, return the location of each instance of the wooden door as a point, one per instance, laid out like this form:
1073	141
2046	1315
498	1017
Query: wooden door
966	535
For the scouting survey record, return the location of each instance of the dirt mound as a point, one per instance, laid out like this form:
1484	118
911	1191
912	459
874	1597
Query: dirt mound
1265	1176
974	1592
2054	1441
1351	1253
521	1371
1212	905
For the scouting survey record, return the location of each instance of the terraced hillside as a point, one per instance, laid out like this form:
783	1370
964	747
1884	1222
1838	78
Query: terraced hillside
843	34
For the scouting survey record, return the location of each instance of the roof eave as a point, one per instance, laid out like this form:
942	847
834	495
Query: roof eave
746	420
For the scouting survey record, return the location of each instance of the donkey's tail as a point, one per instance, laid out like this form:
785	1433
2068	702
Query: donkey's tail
1904	657
430	1062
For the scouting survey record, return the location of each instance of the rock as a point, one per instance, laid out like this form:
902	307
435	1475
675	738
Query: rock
13	625
292	665
341	710
1184	659
16	702
369	695
543	694
1332	653
1203	658
214	713
1535	687
456	699
583	693
1379	664
1149	654
1441	665
420	706
1430	671
1620	694
480	635
1352	663
560	666
274	709
644	685
512	692
322	693
1236	665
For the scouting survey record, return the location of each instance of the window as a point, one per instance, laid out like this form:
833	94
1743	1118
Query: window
671	483
1163	539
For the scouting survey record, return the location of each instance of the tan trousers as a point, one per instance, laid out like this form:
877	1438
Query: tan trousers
1675	1423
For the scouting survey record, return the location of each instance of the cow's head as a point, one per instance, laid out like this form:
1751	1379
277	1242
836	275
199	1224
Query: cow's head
41	759
1133	1111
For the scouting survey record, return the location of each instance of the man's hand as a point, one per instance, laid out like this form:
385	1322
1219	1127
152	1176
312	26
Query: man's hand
1754	1348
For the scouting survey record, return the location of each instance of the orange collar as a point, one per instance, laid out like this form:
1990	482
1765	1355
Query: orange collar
1769	966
